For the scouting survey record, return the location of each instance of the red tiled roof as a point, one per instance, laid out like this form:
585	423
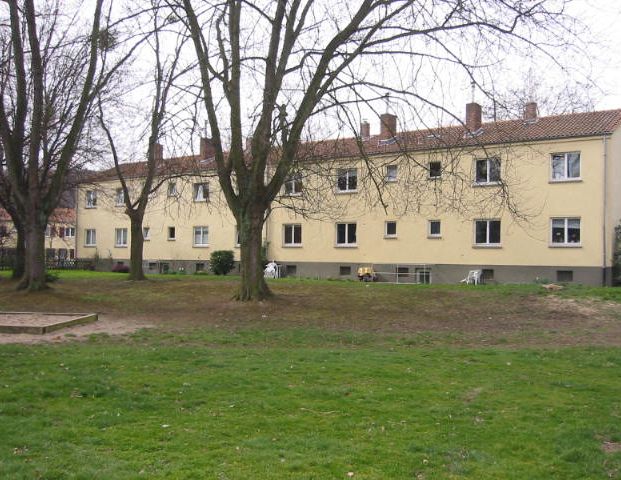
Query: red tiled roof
60	215
573	125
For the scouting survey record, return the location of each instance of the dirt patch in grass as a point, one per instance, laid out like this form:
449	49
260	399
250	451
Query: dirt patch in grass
611	447
106	325
477	316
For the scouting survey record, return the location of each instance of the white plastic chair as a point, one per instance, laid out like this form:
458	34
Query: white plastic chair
271	270
474	277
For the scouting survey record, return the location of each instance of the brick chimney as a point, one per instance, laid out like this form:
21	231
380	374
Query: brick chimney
207	148
388	125
530	112
473	117
158	151
365	129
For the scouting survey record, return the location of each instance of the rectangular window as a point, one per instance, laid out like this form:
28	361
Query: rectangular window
91	199
172	233
146	233
48	231
423	275
346	234
292	234
293	185
201	236
402	272
435	169
391	173
90	237
390	229
434	228
119	197
71	254
120	237
69	232
564	275
487	232
565	231
565	166
172	189
237	237
487	275
347	180
291	270
487	171
344	270
201	192
199	267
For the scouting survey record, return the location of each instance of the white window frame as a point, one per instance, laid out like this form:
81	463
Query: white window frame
147	231
566	242
488	162
347	228
203	231
434	235
69	232
391	178
565	177
203	188
390	235
435	177
291	226
487	234
91	199
348	174
293	185
119	197
90	237
120	237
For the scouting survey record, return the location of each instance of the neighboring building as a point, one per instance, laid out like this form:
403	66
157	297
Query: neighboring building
524	199
59	235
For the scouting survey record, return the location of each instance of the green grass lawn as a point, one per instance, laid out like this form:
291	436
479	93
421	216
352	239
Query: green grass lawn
331	378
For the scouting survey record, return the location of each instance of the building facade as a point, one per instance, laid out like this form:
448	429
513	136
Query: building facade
521	200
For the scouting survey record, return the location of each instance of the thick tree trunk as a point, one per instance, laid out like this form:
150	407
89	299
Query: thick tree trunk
136	250
19	265
253	285
34	275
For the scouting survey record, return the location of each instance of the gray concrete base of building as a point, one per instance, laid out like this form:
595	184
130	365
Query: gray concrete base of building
407	273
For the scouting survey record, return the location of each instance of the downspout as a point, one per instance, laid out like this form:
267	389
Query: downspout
604	212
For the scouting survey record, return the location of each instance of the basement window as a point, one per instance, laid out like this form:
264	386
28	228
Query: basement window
564	275
344	270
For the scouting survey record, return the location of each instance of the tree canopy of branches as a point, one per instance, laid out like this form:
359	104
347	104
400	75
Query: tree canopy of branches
283	63
53	64
156	171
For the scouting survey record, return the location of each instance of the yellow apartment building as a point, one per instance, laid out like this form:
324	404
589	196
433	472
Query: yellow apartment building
520	200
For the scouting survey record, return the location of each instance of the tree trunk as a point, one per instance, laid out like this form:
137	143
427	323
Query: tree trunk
136	249
34	275
253	286
19	265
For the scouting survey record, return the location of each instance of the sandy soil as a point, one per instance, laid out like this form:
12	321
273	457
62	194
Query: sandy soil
108	324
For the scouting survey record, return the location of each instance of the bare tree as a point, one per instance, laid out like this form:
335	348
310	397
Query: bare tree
51	72
304	58
154	172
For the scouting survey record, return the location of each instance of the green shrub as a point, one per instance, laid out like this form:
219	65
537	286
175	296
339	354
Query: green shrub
222	261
